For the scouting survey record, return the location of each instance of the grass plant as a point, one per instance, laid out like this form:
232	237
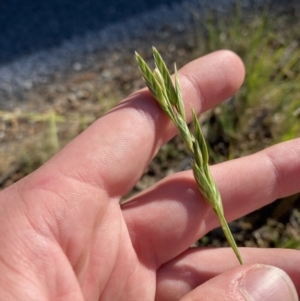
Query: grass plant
266	110
168	96
34	150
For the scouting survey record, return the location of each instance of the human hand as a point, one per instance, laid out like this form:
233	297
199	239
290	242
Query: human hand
66	237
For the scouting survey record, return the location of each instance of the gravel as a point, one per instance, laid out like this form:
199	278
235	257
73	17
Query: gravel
78	52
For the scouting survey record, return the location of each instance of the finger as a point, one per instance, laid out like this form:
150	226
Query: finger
246	283
250	183
196	266
165	220
114	151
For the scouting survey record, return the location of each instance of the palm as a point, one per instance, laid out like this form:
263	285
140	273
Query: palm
108	264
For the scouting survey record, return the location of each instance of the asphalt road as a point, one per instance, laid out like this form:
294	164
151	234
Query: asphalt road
32	25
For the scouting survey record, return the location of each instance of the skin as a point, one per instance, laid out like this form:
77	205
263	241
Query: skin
64	235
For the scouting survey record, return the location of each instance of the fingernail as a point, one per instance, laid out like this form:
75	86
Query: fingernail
266	283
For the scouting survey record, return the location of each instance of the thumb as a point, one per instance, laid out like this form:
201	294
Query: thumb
247	283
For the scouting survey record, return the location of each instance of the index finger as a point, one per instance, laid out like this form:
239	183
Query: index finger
113	152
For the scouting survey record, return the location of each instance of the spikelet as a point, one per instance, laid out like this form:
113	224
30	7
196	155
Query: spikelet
169	97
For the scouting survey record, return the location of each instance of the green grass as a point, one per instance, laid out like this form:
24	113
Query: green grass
266	110
168	96
41	136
